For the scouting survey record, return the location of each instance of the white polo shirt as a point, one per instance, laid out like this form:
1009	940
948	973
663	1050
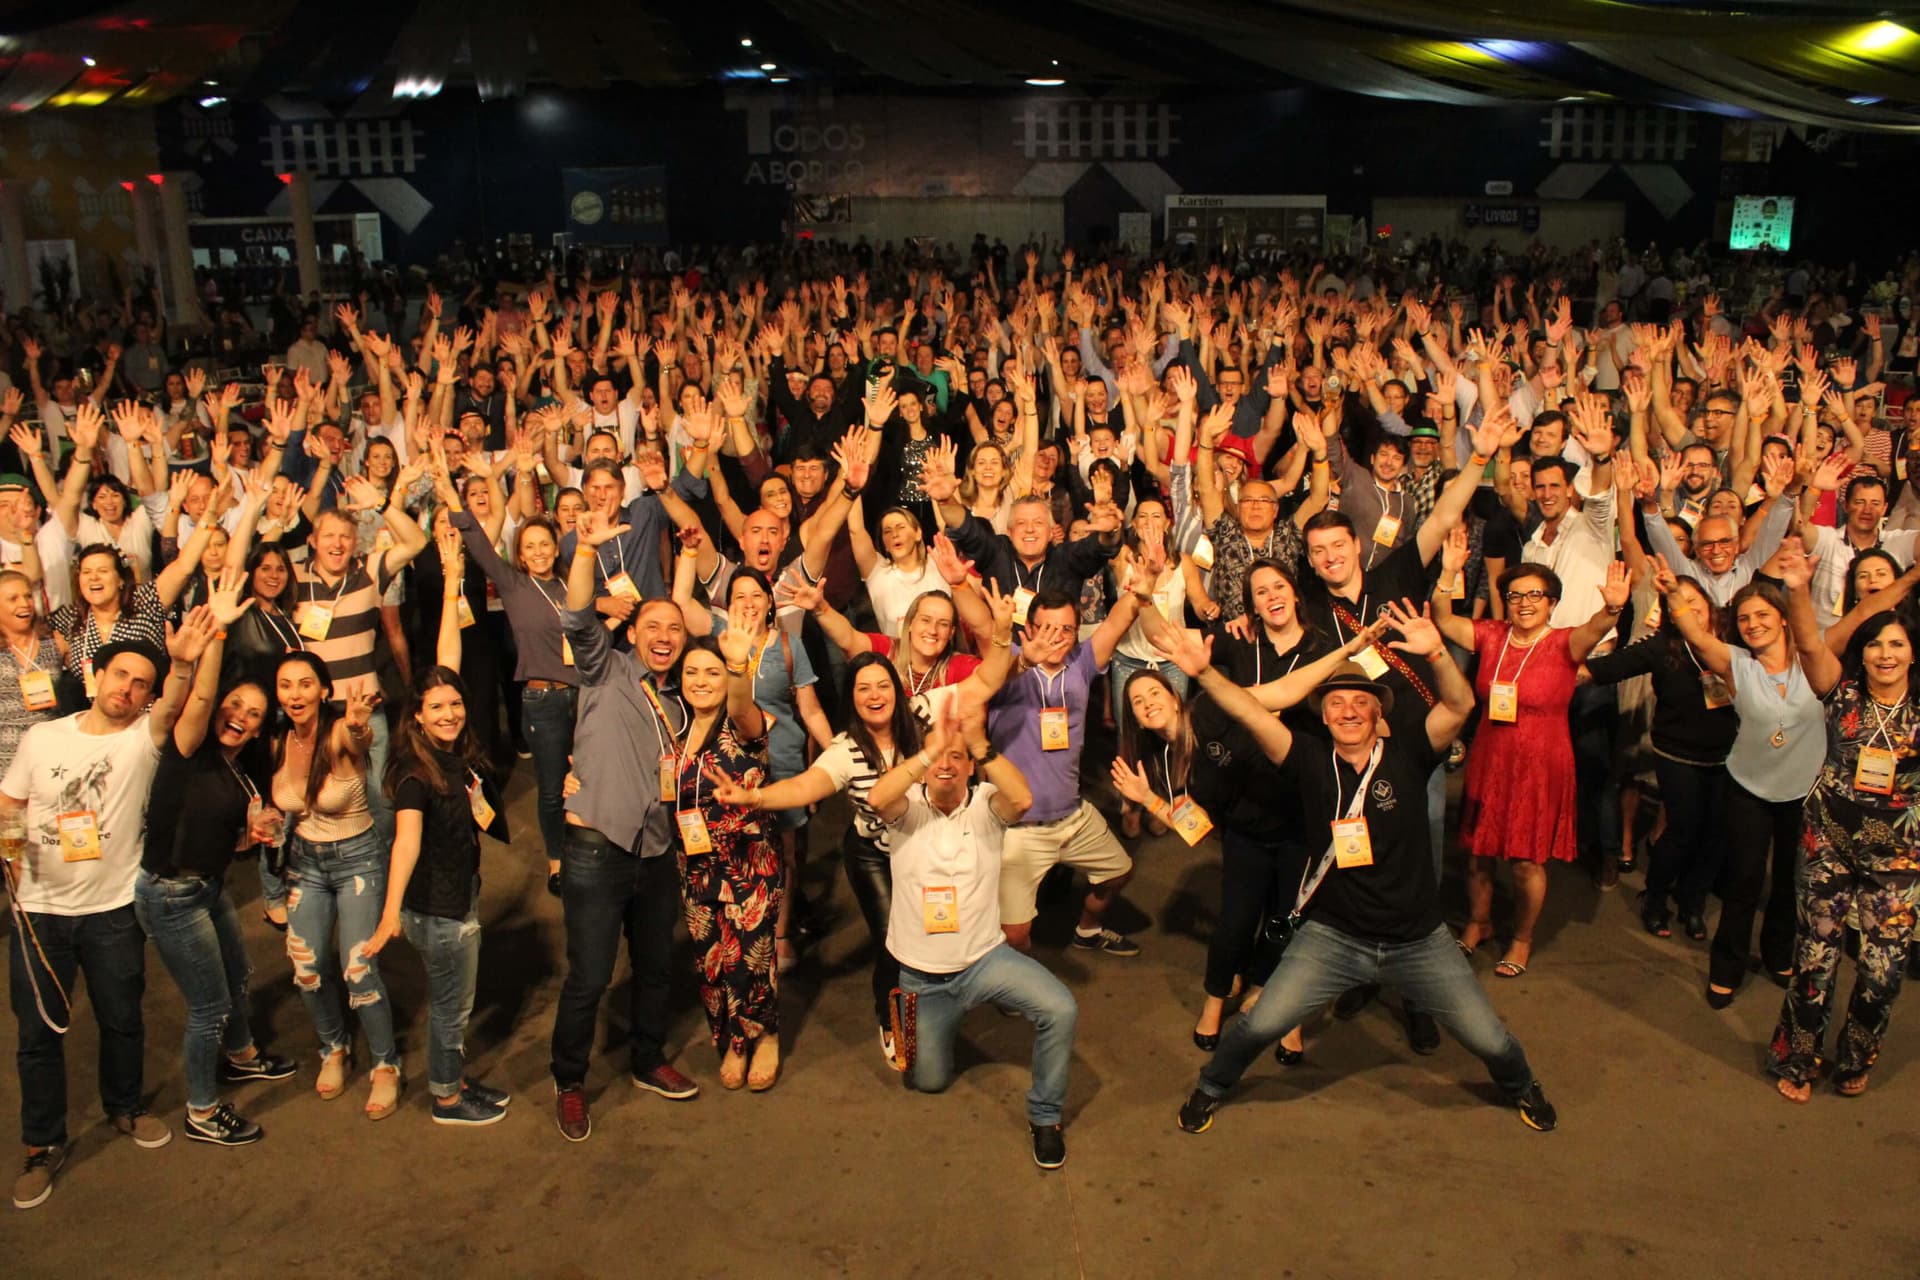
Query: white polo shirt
937	851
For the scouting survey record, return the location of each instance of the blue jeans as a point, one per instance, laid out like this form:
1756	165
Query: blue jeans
546	715
273	887
450	950
343	882
1006	977
377	802
608	893
195	930
1321	962
108	947
1122	669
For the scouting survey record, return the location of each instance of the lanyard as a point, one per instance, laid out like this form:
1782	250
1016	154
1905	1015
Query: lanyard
1046	696
30	662
1260	653
289	641
1880	730
341	590
917	686
253	793
1166	771
1311	880
1501	661
663	726
551	602
618	550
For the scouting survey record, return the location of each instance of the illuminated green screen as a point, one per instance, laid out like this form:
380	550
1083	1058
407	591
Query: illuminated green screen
1762	222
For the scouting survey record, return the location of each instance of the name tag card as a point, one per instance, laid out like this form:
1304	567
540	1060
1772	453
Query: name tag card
1503	703
1053	729
940	907
1371	662
1387	530
693	831
621	584
79	836
1875	771
315	621
36	690
1190	820
1352	846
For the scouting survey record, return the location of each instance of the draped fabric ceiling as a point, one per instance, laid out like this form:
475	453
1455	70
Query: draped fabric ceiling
1830	64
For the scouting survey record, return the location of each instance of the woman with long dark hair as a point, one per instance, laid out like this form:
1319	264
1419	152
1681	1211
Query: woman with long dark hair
206	810
439	779
730	869
336	874
1693	727
1857	848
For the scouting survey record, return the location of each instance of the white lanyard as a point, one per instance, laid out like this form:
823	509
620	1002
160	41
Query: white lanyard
288	645
1046	696
1259	657
1166	770
1318	872
1501	661
253	793
1880	724
31	661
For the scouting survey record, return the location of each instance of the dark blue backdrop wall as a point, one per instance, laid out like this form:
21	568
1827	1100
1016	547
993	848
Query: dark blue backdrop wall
454	168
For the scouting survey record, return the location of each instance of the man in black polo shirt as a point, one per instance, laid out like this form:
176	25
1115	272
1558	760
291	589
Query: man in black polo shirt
1349	595
1368	910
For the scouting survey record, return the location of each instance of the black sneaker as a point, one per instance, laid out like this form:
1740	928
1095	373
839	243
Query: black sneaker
1196	1116
468	1112
225	1127
261	1066
486	1095
1354	999
666	1082
1114	944
1049	1145
1423	1033
1535	1111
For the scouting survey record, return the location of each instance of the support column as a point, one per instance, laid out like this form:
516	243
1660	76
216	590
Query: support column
183	299
146	236
14	275
306	244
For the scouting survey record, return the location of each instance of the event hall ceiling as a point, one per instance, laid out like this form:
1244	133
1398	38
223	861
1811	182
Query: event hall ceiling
1832	64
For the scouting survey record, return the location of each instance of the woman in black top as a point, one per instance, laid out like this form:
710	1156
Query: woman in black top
204	811
255	643
1693	729
442	800
1199	768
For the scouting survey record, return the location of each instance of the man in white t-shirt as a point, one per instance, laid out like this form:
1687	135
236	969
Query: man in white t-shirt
945	923
72	811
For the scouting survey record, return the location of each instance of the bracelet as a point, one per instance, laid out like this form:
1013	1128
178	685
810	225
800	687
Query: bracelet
851	490
1478	460
359	730
1320	460
736	671
220	634
998	643
753	798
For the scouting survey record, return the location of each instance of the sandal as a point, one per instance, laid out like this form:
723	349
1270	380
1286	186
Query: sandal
766	1064
383	1098
1851	1086
332	1080
1655	918
733	1070
1508	966
280	924
1468	948
1798	1094
1693	922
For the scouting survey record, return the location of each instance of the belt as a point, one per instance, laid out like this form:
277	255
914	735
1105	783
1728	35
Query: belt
548	684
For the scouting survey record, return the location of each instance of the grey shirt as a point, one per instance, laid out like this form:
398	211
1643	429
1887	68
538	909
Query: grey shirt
617	741
534	608
1722	586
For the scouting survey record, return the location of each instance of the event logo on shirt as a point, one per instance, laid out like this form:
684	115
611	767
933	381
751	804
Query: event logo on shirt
1383	797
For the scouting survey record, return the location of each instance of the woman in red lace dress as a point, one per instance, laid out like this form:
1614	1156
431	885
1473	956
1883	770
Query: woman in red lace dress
730	871
1520	792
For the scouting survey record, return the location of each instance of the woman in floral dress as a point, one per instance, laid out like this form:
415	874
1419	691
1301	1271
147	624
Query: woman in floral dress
730	870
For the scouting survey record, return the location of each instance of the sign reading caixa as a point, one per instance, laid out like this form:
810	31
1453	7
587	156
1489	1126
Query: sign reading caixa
239	233
1524	216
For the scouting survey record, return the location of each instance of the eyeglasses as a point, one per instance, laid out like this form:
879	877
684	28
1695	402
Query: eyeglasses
1526	597
1259	502
1703	544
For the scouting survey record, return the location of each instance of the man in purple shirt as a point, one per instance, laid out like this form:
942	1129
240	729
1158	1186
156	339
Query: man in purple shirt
1039	721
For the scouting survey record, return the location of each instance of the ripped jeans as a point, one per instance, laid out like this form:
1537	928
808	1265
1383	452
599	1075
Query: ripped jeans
342	881
450	950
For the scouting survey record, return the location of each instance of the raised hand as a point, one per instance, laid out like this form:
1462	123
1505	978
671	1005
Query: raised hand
86	426
1453	552
1792	565
596	530
224	600
1618	586
195	632
1131	782
952	566
1418	635
1188	650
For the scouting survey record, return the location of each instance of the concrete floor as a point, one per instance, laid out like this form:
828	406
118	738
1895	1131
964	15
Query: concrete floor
1674	1157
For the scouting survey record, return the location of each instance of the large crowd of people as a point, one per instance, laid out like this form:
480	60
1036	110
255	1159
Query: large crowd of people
981	537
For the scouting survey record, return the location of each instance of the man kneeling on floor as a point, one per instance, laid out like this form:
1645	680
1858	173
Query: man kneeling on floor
945	926
1368	909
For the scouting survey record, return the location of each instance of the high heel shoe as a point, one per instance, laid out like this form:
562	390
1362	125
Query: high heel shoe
1693	922
1289	1057
1718	999
1208	1043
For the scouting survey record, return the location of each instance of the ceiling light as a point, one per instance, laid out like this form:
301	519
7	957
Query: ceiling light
211	102
90	62
1880	37
1045	82
1863	100
746	42
417	87
778	79
766	66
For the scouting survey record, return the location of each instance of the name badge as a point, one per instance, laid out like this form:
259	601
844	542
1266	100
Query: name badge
566	650
1202	553
316	620
669	776
477	803
1900	467
1352	847
1053	728
1714	691
1022	601
1503	703
693	831
79	836
621	584
1875	771
1653	615
1458	589
1387	530
464	611
1371	662
940	905
1190	820
36	690
494	603
87	678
